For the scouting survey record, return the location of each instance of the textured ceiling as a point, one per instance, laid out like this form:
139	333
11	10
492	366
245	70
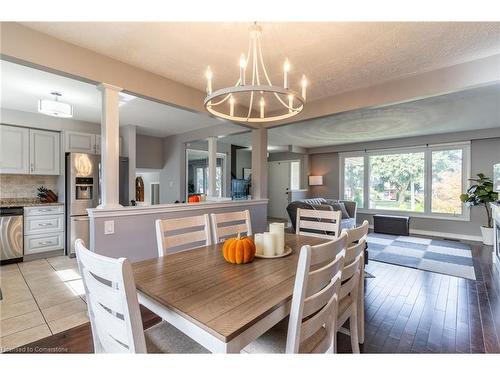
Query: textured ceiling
472	109
336	57
21	88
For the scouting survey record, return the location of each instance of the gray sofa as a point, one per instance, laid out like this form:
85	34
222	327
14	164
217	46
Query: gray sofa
347	221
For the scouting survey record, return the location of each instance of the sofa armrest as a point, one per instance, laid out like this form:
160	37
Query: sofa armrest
351	208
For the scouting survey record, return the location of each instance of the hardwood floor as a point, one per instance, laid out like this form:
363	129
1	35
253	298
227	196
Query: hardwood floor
413	311
407	311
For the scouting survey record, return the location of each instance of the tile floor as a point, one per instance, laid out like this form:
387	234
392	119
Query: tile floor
39	298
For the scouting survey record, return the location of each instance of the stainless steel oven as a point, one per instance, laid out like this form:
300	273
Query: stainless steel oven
12	234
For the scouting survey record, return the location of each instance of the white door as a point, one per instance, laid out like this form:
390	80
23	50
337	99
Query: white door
14	150
81	142
279	186
44	152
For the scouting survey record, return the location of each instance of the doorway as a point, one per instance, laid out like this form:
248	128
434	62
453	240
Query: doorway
283	176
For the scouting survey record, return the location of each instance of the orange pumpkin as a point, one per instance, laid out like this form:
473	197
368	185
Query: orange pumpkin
238	250
193	199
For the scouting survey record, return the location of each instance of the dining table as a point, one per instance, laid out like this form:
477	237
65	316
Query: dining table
220	305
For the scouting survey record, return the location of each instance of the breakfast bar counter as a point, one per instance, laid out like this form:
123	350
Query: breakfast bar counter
130	231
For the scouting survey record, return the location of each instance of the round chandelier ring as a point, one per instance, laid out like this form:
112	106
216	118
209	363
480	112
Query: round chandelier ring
290	102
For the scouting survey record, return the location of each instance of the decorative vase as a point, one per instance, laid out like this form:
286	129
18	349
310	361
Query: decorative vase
487	234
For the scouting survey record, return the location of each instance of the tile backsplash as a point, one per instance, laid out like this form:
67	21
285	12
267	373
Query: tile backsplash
25	186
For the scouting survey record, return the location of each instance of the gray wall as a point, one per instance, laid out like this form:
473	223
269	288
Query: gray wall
135	236
304	164
243	160
484	153
149	152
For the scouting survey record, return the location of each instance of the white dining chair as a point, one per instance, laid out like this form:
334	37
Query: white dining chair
349	291
353	237
182	233
312	323
230	223
325	224
114	313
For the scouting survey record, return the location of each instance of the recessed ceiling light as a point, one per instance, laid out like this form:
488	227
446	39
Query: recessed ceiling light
54	107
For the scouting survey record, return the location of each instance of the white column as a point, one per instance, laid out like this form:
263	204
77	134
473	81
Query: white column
259	163
110	146
212	166
129	134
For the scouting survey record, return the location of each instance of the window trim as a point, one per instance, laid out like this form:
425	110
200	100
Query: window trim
427	149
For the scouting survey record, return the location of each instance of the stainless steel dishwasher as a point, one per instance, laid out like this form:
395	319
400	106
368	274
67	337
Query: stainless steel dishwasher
11	234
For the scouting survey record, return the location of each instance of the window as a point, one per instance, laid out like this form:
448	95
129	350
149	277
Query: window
295	175
397	181
354	168
446	181
423	180
198	176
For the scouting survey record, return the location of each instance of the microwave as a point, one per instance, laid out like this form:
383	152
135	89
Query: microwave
496	177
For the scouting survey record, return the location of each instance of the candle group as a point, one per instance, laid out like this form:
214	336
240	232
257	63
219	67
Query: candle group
271	243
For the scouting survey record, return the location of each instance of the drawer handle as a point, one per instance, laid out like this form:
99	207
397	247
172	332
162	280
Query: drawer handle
45	209
45	224
45	243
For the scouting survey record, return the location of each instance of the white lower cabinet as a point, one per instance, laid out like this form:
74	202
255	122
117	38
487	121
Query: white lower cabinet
43	229
39	243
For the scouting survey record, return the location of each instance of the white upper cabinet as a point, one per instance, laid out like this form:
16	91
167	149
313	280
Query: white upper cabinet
81	142
44	152
85	142
14	150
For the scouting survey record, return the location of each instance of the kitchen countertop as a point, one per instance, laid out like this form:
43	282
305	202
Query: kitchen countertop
26	202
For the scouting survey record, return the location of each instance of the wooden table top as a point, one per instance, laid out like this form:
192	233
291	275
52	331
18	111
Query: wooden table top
222	298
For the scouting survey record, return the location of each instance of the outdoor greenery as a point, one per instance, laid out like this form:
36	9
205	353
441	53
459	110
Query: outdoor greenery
401	173
481	194
397	181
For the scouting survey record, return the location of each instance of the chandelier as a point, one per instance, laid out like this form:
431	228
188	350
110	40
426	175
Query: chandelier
253	96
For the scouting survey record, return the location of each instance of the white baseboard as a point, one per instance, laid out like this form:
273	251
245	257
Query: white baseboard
444	235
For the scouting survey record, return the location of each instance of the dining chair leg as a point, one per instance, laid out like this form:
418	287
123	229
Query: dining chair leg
353	328
361	306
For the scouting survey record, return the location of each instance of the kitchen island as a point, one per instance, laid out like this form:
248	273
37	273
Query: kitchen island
130	231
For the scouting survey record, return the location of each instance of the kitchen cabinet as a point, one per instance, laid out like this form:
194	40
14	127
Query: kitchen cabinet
14	150
44	152
29	151
80	142
43	229
85	142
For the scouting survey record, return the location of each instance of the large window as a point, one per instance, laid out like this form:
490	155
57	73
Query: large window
354	179
423	180
397	181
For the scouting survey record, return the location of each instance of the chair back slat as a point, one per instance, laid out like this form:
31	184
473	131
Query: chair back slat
315	295
350	277
314	303
112	303
355	235
230	224
105	294
181	232
184	239
320	278
325	224
354	250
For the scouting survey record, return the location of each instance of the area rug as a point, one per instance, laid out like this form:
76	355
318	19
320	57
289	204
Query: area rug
441	256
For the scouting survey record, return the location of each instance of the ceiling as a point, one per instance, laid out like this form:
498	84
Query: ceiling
21	87
337	57
472	109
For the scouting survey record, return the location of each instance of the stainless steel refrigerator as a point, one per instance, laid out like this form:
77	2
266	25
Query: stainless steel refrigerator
83	190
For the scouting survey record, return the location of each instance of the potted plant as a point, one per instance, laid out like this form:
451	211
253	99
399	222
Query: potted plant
482	194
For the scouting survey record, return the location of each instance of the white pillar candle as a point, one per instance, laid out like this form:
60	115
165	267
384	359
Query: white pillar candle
259	243
279	230
269	243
